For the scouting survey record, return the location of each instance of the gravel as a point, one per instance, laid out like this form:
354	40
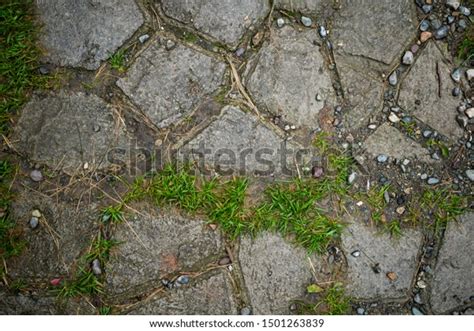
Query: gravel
408	58
470	174
442	32
34	222
454	4
245	311
424	25
470	74
416	311
143	38
456	75
382	158
393	78
433	181
36	176
96	267
393	118
464	10
280	22
306	21
360	311
323	32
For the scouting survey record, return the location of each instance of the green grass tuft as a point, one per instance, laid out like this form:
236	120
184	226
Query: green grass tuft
336	300
117	61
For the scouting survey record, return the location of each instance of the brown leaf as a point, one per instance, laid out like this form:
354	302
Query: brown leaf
391	275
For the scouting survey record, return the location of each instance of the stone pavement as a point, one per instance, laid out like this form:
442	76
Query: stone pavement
243	81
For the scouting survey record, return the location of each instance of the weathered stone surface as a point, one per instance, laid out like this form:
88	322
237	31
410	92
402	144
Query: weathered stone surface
65	131
238	142
303	6
453	283
387	140
275	272
167	83
380	33
287	74
420	92
363	90
221	19
212	296
63	234
154	246
392	255
84	33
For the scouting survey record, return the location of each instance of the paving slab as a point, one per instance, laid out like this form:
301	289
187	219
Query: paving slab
154	246
392	255
275	273
64	233
238	143
67	130
389	141
287	74
211	296
427	92
84	33
453	283
377	31
221	19
23	304
167	83
302	6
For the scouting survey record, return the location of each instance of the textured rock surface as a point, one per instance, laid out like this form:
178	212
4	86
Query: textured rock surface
63	234
453	283
389	141
220	19
84	33
398	256
238	142
420	92
167	83
303	6
275	273
155	246
380	33
212	296
287	74
66	130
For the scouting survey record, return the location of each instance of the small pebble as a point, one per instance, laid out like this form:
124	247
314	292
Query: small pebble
143	38
462	120
372	126
464	10
169	44
424	176
427	133
424	36
454	4
392	276
306	21
319	97
352	177
456	75
224	261
400	210
414	48
433	181
245	311
469	112
462	24
355	253
427	9
442	32
450	19
34	222
36	213
43	70
317	172
96	267
456	91
386	197
280	22
408	58
183	279
323	32
406	162
416	311
240	51
360	311
417	299
376	268
435	156
36	175
393	79
424	25
382	158
393	118
470	74
470	174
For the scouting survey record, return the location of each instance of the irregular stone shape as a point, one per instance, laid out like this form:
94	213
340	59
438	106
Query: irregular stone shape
239	142
392	255
363	90
420	93
63	234
212	296
286	75
153	246
303	6
380	33
23	304
166	84
453	283
389	141
275	273
65	131
84	33
222	19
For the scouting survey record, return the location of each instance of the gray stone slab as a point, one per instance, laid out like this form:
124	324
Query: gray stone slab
224	20
64	233
23	304
391	142
67	130
154	246
303	6
84	33
275	273
420	92
286	75
363	91
238	143
453	283
168	83
379	31
392	255
211	296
